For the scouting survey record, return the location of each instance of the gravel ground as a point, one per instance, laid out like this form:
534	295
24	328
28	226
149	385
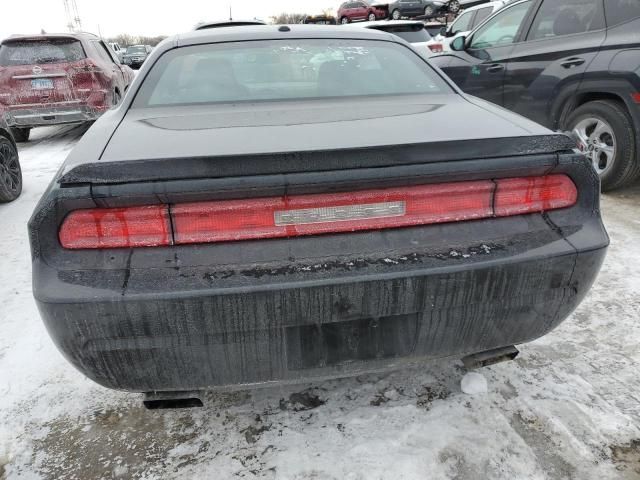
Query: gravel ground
567	408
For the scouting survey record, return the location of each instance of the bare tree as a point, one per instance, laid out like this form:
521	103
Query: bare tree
124	39
288	18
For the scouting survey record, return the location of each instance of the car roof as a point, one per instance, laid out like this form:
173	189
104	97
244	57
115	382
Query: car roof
44	36
228	23
275	32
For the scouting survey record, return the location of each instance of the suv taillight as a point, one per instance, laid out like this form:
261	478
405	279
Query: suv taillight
298	215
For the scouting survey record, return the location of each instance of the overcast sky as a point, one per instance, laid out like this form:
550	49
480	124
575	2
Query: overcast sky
141	17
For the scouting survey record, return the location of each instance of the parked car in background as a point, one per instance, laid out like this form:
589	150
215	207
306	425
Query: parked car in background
117	50
428	8
54	79
354	11
463	24
413	31
570	65
230	225
454	6
10	172
415	8
135	55
228	23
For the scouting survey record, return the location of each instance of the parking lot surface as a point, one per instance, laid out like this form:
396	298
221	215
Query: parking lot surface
567	408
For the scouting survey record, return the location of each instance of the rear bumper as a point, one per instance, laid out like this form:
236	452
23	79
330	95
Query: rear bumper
343	319
51	114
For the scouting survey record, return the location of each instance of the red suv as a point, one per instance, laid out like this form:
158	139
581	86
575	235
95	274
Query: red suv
57	79
358	10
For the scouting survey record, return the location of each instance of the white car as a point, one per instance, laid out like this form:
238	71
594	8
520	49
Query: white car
413	31
117	50
466	21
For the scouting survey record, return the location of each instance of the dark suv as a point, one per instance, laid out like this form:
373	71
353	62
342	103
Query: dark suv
570	65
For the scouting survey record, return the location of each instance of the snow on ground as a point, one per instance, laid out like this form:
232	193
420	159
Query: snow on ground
567	408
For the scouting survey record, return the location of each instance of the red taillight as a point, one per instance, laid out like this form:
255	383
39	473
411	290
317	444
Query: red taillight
636	97
515	196
117	227
291	216
330	213
436	48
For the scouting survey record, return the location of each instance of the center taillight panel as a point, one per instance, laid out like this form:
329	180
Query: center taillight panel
298	215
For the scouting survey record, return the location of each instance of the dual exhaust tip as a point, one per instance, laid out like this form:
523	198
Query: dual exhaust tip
192	399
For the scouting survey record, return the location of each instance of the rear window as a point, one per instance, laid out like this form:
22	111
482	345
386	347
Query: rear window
136	49
283	70
410	33
621	11
30	52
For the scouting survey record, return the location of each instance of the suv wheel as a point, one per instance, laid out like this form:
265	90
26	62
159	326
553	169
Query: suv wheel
454	6
605	133
10	173
21	134
429	11
395	14
371	17
344	20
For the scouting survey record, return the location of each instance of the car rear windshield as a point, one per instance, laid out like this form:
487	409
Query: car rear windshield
136	50
286	70
410	33
51	50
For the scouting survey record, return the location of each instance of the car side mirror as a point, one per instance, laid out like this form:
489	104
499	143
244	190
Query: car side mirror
459	43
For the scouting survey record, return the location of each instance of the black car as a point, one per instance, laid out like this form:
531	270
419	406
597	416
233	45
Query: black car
415	8
10	173
288	217
135	55
570	65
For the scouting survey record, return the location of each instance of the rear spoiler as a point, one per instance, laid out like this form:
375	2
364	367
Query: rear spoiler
116	172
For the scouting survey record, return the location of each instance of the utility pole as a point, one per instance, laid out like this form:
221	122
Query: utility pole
74	24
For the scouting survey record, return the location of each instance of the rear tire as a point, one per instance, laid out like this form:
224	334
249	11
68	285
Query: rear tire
21	134
344	20
10	172
454	6
371	17
606	135
429	11
395	14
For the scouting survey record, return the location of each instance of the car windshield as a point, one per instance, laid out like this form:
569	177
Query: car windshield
30	52
410	33
137	49
283	70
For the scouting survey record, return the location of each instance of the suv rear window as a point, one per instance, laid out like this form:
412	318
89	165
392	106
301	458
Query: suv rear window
282	70
31	52
410	33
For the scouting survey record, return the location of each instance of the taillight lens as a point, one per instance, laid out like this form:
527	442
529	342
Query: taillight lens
117	227
436	48
515	196
330	213
297	215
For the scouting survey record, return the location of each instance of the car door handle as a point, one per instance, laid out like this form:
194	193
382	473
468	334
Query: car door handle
498	67
573	62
